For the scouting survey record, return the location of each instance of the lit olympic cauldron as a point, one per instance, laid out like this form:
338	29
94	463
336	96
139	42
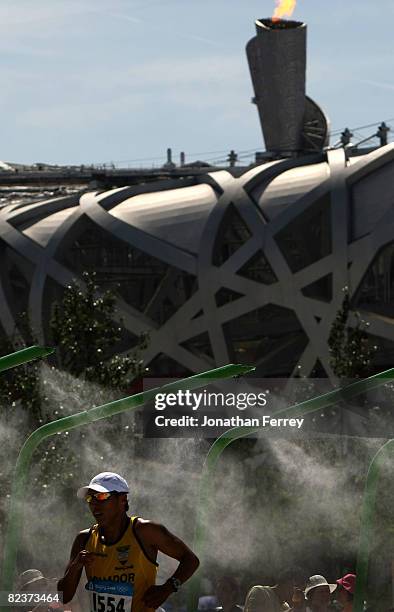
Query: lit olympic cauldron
291	122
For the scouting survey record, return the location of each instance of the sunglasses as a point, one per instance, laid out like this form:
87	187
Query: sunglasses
100	497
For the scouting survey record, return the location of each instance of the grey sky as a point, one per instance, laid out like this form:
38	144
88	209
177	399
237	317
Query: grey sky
120	80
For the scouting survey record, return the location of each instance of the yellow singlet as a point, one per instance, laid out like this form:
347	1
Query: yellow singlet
120	573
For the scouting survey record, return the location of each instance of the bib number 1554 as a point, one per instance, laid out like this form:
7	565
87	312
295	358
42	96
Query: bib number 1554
107	603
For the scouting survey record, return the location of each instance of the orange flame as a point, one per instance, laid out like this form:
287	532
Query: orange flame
284	8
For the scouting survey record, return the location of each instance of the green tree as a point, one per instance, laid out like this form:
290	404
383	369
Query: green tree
351	352
21	384
85	335
86	338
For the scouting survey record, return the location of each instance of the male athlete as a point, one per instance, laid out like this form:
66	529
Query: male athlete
119	553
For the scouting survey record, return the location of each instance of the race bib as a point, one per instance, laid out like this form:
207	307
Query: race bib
109	596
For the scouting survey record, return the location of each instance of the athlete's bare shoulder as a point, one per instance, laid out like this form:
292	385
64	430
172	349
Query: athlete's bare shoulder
157	537
142	527
146	527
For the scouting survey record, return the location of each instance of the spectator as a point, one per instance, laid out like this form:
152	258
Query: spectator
345	591
207	603
318	593
33	582
298	600
275	598
225	599
227	592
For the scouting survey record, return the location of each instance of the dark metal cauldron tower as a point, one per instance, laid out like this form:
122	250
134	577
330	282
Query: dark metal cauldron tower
292	123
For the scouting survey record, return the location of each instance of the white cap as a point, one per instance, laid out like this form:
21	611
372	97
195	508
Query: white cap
105	483
318	581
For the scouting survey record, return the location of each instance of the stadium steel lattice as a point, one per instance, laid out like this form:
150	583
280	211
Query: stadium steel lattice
217	268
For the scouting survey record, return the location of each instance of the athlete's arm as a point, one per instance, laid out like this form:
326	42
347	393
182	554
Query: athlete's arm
156	538
79	557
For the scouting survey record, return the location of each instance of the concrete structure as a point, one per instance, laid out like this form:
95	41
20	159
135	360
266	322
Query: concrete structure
219	269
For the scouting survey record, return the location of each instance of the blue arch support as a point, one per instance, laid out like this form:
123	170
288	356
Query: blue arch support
296	411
